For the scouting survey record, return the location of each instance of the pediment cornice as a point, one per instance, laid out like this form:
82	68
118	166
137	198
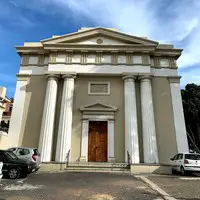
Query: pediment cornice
98	106
70	38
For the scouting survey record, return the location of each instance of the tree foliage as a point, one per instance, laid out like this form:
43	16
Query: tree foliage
191	107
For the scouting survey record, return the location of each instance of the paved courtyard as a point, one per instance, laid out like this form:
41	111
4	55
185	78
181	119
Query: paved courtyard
187	187
75	186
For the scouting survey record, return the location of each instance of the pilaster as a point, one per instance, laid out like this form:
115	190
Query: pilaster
179	120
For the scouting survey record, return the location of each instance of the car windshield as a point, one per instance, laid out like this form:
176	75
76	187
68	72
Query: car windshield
192	156
11	155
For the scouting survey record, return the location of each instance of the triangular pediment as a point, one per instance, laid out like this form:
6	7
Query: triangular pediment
99	36
97	106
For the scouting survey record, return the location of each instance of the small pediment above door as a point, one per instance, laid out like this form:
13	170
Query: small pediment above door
97	106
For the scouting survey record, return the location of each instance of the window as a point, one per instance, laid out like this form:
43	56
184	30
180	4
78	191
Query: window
11	155
180	156
192	156
12	149
175	157
22	152
99	88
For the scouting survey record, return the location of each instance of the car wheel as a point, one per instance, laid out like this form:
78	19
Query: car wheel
173	171
13	173
182	171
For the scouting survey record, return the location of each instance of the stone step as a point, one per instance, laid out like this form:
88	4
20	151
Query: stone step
96	170
94	166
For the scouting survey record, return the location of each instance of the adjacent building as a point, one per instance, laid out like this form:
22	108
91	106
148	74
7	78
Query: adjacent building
3	131
100	95
5	120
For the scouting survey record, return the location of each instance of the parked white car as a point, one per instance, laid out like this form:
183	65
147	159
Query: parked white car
1	173
185	162
28	154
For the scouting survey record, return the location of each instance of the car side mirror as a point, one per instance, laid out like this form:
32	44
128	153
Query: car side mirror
171	158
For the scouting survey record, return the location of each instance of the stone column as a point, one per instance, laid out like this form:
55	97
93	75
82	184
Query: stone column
131	127
47	128
65	121
84	141
111	141
148	122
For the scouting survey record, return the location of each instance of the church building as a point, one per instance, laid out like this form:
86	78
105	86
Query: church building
99	95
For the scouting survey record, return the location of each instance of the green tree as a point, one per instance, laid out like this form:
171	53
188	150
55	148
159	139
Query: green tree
191	107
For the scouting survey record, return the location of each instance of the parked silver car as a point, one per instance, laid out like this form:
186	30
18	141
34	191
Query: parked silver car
185	162
28	154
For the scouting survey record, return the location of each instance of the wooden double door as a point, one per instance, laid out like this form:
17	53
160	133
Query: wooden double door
98	141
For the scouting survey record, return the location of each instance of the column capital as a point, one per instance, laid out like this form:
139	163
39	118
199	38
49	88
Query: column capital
174	79
145	78
71	75
129	76
52	76
22	77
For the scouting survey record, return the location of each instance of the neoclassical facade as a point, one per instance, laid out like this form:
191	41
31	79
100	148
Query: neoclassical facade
99	95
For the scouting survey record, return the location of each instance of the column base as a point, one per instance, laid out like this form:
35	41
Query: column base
111	160
83	159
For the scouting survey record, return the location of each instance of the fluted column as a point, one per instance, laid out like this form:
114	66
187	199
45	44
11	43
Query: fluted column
148	121
47	127
65	121
131	127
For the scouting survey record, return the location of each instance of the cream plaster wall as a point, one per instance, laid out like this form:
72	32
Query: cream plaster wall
165	129
81	98
34	102
33	109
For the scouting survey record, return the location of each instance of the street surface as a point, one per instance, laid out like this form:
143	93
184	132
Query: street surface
76	186
184	188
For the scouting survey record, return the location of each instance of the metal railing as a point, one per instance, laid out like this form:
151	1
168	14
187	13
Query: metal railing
1	173
4	129
128	158
67	157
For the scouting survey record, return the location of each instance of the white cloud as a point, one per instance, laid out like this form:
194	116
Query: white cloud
169	21
166	21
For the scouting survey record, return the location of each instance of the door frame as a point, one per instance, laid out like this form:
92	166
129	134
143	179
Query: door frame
94	112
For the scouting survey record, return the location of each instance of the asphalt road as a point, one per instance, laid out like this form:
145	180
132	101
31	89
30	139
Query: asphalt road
75	186
186	187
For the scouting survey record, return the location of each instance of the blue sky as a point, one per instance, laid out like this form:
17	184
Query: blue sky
168	21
